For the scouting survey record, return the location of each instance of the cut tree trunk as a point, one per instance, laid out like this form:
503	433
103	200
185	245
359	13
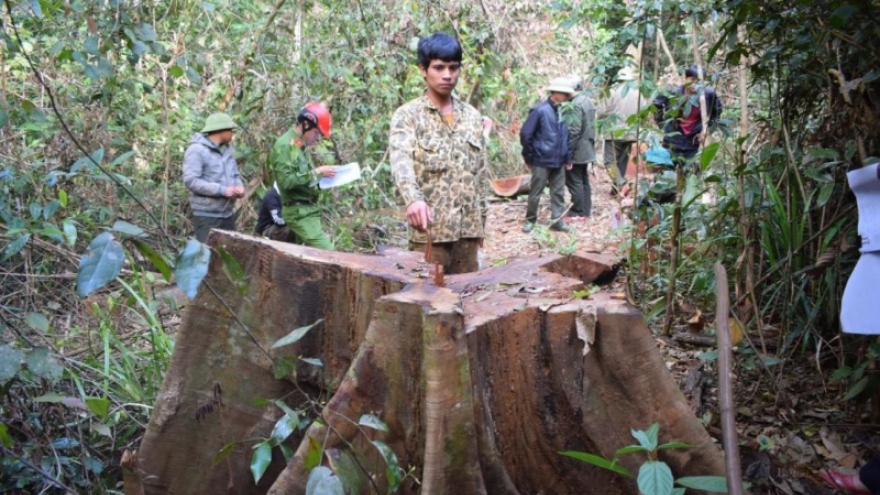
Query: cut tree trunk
480	383
511	187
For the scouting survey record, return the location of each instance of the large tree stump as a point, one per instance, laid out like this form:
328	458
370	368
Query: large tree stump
480	383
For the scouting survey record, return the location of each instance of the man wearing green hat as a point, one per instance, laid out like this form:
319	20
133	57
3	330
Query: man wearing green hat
211	176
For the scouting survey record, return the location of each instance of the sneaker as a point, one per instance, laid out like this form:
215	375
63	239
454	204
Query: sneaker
527	228
559	227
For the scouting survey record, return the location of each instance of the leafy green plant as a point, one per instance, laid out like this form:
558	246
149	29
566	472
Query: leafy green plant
654	476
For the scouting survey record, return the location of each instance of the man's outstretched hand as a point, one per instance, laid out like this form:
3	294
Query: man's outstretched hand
418	214
326	171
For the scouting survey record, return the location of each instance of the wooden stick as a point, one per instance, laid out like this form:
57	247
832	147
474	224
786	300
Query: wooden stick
725	387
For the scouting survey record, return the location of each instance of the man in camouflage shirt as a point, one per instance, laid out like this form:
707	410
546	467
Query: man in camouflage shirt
439	163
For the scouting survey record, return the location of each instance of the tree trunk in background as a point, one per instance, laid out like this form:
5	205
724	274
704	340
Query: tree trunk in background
481	383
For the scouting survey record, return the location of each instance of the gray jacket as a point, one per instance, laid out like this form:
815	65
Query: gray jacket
615	111
582	130
207	171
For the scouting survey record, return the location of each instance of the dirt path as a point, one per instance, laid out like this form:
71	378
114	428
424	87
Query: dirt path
505	239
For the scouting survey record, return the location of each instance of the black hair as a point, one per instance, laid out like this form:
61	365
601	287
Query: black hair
694	71
439	46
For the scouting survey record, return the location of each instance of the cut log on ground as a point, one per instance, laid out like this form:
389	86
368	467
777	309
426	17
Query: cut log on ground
511	187
480	383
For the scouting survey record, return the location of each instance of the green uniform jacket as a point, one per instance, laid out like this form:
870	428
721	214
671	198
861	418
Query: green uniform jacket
297	181
297	185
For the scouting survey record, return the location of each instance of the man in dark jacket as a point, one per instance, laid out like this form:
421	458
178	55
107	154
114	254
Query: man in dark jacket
582	138
270	223
546	150
211	176
678	112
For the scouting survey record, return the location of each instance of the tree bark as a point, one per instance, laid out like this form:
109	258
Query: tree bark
481	383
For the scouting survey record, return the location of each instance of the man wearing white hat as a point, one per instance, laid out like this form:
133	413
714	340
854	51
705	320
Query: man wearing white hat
547	152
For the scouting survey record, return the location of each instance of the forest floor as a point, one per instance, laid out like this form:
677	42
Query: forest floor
791	423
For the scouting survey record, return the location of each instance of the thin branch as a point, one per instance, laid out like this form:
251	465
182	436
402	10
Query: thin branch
48	477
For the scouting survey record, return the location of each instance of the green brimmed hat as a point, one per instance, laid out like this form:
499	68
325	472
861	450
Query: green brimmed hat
218	122
561	85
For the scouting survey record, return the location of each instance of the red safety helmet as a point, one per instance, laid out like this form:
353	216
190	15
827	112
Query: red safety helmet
313	115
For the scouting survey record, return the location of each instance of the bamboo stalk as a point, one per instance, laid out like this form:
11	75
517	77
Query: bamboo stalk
725	386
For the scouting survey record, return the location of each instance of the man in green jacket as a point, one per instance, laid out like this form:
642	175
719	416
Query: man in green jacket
582	139
297	181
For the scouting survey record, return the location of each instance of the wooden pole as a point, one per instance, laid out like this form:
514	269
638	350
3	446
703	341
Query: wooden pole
725	383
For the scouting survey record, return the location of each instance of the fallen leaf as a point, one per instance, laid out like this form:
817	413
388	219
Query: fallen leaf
736	332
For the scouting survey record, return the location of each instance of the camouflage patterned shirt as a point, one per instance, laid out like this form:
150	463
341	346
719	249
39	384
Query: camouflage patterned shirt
443	165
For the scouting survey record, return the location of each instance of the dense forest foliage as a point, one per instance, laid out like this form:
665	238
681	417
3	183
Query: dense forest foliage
99	98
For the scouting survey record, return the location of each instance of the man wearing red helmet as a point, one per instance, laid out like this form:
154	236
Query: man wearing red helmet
438	161
296	182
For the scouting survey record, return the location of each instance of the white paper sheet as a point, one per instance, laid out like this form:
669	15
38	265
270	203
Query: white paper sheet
859	312
865	184
345	174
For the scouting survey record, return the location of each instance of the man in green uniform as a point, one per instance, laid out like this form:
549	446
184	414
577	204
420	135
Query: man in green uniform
438	161
297	181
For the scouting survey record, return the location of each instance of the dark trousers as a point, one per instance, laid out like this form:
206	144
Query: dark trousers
541	177
203	225
617	152
456	257
869	475
578	182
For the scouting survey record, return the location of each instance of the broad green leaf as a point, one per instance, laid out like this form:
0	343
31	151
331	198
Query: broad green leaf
223	453
313	361
655	478
260	460
373	422
140	48
94	465
645	438
825	194
15	246
283	428
287	452
127	228
37	321
100	265
192	266
43	364
840	373
69	230
314	453
708	154
840	16
4	118
284	407
597	461
344	465
102	429
145	32
99	406
91	45
629	449
857	389
176	71
233	270
322	481
121	158
154	257
5	439
392	468
295	336
282	367
10	362
716	484
193	76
